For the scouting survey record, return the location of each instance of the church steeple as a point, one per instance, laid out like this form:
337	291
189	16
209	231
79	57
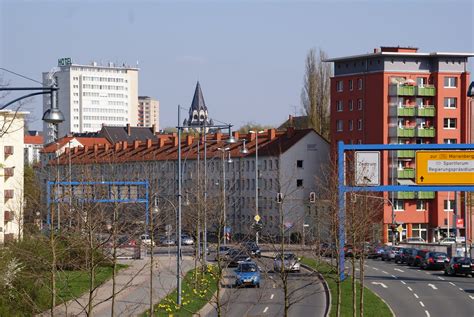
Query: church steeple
198	116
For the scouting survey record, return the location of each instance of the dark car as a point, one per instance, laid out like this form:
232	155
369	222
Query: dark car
327	250
375	252
434	260
402	255
416	256
389	253
234	256
252	248
459	265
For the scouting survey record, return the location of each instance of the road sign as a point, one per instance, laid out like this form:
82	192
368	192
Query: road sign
367	171
445	167
400	229
257	218
460	223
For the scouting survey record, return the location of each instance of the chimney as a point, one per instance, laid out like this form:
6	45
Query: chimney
117	146
136	143
106	147
218	136
161	142
175	140
76	149
290	131
148	143
252	136
129	129
125	145
67	150
96	148
271	133
236	135
86	149
189	140
290	121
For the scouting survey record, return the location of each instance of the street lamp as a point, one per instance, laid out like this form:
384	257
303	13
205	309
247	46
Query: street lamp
155	211
470	94
229	160
256	177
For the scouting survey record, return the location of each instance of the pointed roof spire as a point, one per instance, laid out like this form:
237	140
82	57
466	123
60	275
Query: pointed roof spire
198	100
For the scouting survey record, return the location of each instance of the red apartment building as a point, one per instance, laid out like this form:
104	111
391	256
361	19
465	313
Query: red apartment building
399	95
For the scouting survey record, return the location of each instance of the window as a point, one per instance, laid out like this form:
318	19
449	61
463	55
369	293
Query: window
299	163
8	150
351	85
340	85
398	205
351	105
351	125
449	205
449	123
421	81
450	141
359	124
419	230
450	102
420	205
339	125
299	183
359	84
359	104
339	106
450	82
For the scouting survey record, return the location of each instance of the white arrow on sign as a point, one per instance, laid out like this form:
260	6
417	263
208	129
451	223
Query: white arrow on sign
432	286
381	284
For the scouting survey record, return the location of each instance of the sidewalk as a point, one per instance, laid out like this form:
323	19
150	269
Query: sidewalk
133	288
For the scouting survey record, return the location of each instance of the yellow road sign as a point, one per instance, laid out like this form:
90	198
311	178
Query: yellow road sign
400	228
445	167
257	218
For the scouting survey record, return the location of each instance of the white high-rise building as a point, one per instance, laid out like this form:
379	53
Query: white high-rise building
92	95
148	112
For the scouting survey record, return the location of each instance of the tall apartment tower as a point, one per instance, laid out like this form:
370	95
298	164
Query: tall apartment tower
92	95
399	95
148	112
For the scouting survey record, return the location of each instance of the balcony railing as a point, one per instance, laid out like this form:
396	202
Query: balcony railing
425	111
406	111
406	153
425	195
425	132
405	195
427	91
400	90
406	132
406	173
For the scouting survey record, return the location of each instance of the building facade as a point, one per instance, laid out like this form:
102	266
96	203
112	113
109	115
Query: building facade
33	143
91	95
11	181
148	112
397	95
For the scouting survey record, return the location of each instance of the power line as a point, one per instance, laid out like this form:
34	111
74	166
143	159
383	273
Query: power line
20	75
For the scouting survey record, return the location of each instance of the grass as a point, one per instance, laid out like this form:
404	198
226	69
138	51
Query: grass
194	296
373	305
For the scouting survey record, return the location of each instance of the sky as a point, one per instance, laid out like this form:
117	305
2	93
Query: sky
247	55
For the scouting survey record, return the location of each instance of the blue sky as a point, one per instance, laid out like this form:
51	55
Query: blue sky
247	55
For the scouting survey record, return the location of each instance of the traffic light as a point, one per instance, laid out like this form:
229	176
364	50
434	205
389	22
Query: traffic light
279	198
257	226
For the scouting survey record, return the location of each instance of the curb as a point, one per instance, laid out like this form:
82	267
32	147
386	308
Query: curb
383	300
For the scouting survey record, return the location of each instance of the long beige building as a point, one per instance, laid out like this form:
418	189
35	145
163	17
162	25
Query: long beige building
92	95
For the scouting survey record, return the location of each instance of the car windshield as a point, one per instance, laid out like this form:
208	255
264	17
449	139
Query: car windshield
248	267
439	254
289	256
462	260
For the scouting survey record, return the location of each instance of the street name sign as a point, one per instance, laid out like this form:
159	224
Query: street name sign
445	167
367	171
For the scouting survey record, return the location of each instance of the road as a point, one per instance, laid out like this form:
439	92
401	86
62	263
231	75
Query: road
414	292
307	294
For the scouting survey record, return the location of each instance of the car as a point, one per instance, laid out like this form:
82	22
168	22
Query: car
414	240
235	256
247	274
459	265
327	249
222	252
389	253
434	260
416	256
252	248
375	252
286	261
167	241
186	240
448	241
402	255
146	240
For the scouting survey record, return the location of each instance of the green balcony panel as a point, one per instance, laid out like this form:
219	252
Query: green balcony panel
406	173
396	90
406	153
427	91
406	111
425	112
426	195
406	132
425	133
406	195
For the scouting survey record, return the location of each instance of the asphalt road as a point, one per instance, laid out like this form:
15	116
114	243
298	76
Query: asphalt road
414	292
307	295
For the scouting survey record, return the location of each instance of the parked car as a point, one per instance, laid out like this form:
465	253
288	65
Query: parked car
222	252
414	240
375	252
288	261
146	240
327	250
252	248
389	253
247	274
434	260
234	256
459	265
402	255
167	241
186	240
448	241
416	256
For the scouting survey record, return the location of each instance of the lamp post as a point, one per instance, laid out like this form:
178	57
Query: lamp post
229	160
256	177
155	211
470	94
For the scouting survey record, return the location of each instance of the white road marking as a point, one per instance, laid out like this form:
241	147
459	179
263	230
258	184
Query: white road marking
410	288
379	283
427	273
421	303
384	272
441	278
419	270
432	286
416	295
399	270
274	286
394	276
472	297
403	282
427	313
376	269
265	310
271	297
452	283
461	289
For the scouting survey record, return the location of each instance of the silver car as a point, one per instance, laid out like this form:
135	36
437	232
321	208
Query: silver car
187	240
289	261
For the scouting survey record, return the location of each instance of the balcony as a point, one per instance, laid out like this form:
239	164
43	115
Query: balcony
425	195
406	111
405	195
425	132
398	90
426	91
425	111
406	173
406	153
8	194
406	132
8	171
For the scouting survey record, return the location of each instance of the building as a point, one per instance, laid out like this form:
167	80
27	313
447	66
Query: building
198	114
92	95
33	143
11	182
148	112
288	163
400	95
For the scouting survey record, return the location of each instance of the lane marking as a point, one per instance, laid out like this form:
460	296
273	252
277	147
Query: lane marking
441	278
472	297
403	282
410	288
399	270
452	283
421	303
416	296
432	286
428	273
265	310
461	289
376	269
384	272
427	313
271	297
379	283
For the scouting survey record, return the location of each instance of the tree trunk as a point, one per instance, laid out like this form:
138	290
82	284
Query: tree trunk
361	278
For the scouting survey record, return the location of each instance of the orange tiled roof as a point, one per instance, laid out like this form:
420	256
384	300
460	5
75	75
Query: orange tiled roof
33	139
85	141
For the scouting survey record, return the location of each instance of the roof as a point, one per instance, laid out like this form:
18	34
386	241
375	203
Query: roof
33	139
198	101
300	122
127	133
270	143
54	146
378	53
